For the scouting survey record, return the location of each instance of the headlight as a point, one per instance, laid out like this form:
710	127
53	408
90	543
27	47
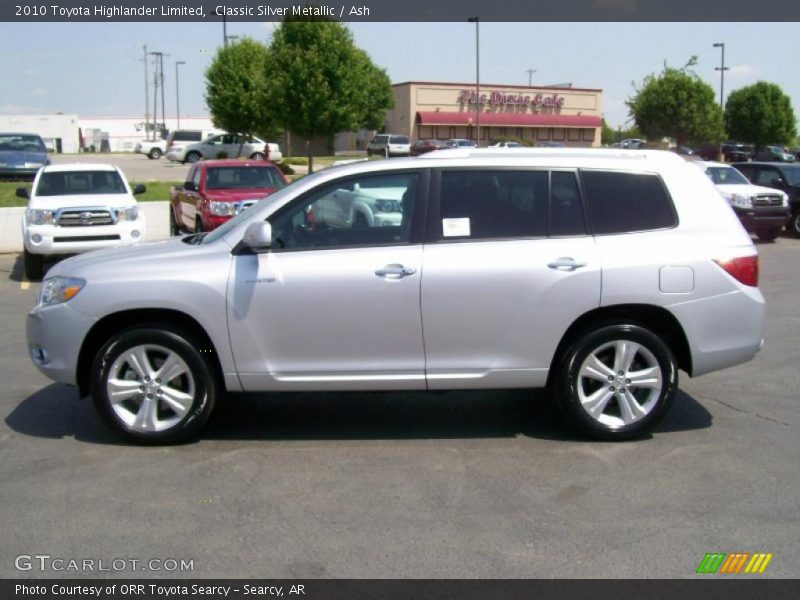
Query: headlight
56	290
130	213
739	200
222	209
387	206
785	201
34	216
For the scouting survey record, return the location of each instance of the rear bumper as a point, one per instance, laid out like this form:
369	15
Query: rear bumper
724	330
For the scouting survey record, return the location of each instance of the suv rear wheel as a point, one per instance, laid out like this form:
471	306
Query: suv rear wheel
155	153
617	382
152	385
793	226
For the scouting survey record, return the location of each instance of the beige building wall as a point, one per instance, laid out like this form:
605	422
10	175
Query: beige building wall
414	97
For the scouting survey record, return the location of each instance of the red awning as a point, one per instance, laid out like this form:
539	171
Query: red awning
507	119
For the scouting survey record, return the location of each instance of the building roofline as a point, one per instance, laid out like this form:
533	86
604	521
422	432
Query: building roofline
498	85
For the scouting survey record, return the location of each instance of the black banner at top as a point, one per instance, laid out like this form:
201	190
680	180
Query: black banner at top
400	10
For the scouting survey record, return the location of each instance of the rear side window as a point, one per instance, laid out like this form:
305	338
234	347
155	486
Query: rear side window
503	204
626	202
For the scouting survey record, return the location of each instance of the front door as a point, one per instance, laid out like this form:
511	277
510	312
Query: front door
335	303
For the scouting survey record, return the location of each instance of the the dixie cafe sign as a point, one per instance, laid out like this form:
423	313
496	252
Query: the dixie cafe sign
499	98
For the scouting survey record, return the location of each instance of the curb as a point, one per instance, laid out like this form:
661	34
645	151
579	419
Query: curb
156	213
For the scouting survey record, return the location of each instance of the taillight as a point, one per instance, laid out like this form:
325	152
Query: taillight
742	268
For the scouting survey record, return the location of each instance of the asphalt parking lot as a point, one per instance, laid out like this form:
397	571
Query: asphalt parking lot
137	167
462	484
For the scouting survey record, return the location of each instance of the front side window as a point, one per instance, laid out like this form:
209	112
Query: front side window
619	202
766	177
66	183
363	211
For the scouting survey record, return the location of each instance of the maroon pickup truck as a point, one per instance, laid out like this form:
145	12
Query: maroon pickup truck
216	190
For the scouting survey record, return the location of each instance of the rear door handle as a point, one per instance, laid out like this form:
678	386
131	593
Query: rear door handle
566	263
395	271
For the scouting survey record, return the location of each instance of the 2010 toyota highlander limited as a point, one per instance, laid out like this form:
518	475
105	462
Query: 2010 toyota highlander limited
598	274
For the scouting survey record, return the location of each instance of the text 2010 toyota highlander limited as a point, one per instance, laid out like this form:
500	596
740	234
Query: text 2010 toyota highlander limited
596	273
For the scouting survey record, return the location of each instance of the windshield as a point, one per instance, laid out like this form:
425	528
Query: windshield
246	215
726	176
219	178
65	183
21	143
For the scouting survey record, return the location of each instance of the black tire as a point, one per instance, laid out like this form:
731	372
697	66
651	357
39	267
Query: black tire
257	156
173	224
768	235
154	154
360	222
653	402
793	226
193	157
159	341
34	265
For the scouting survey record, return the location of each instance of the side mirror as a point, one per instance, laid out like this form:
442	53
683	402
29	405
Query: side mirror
22	192
777	182
189	186
257	237
139	188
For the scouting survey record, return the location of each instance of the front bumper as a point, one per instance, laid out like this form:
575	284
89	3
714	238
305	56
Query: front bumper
53	240
762	218
55	335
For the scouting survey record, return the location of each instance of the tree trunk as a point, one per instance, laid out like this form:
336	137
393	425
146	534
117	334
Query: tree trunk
310	157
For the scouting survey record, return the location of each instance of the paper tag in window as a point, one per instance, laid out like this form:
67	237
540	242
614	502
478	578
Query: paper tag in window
455	227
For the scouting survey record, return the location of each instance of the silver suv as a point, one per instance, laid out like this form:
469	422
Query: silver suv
596	273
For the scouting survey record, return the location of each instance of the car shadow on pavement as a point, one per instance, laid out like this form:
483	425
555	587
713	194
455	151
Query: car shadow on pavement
17	272
57	412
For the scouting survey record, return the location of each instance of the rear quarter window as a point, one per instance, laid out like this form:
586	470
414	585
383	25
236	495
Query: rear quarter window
619	202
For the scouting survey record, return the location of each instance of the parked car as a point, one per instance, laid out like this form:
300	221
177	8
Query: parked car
21	155
216	190
460	143
595	275
762	210
507	145
632	143
153	149
387	145
425	146
779	176
550	145
227	144
774	153
185	137
75	208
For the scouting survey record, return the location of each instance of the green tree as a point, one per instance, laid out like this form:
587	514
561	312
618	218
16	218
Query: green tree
761	114
322	84
677	104
236	90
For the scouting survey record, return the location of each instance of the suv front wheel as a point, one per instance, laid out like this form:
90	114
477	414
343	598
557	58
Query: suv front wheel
153	386
617	382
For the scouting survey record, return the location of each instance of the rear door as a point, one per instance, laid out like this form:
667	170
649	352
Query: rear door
508	267
189	199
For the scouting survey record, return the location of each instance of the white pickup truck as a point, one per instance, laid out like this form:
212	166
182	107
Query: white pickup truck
75	208
152	148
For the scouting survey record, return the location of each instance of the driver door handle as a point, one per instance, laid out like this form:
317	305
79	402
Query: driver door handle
395	271
566	263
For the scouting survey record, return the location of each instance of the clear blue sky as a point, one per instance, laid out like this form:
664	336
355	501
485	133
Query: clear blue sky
95	69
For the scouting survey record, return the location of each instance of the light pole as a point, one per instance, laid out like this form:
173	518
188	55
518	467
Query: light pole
178	93
722	68
476	20
530	76
224	25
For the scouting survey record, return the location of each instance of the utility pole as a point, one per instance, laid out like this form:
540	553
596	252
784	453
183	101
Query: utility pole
530	76
163	108
722	68
178	94
478	107
158	79
146	94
